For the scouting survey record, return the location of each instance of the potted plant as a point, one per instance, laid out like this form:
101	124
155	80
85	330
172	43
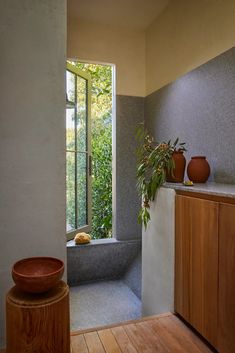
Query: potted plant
154	162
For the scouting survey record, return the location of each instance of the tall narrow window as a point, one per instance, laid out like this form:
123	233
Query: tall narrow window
78	151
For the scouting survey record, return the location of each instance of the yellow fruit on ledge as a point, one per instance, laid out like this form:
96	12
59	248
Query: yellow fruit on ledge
188	183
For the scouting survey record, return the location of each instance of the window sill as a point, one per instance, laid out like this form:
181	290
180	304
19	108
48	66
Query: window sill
97	242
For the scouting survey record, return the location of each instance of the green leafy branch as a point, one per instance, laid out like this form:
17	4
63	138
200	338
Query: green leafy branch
154	161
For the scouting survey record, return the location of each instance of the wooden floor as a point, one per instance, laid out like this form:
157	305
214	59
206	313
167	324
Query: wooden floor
160	334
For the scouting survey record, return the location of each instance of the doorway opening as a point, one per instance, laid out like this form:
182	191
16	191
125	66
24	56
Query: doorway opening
104	276
89	112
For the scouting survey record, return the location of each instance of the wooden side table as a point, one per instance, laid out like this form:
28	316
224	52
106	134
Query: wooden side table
38	323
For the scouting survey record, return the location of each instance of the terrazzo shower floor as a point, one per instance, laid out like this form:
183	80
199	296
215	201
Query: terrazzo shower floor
102	303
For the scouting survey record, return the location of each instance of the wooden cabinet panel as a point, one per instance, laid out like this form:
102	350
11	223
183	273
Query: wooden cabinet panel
182	253
196	278
227	279
204	268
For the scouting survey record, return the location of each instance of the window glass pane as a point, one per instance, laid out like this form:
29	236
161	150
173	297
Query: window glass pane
70	86
70	191
70	129
81	189
81	114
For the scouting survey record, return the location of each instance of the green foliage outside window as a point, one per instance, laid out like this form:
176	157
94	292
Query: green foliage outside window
101	145
75	150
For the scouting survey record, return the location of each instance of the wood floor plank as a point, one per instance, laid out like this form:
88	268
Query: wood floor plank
78	344
185	336
136	339
167	337
170	338
93	342
109	342
141	343
123	340
154	340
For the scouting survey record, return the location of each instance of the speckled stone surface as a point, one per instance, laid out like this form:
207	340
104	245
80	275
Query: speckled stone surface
100	260
102	303
133	275
129	112
210	188
199	108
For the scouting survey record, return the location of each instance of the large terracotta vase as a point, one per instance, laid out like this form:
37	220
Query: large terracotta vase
198	169
177	175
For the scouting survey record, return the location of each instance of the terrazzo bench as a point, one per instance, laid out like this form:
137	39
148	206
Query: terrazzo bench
103	259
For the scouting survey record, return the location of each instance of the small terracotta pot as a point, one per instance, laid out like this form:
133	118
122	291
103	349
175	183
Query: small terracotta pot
198	169
178	171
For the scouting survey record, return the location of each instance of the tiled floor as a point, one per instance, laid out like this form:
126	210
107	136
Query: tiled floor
102	303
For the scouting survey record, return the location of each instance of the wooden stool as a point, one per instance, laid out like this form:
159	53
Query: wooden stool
38	323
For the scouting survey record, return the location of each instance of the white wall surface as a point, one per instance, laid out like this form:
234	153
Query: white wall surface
32	134
158	255
109	44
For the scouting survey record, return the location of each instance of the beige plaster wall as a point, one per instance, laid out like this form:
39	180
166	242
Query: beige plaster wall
108	44
186	35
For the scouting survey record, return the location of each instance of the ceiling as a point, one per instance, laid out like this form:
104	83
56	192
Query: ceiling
133	14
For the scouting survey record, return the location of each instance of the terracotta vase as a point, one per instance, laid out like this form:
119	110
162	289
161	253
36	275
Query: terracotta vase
178	172
198	169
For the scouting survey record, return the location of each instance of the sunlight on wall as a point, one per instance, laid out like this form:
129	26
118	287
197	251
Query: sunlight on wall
105	44
186	35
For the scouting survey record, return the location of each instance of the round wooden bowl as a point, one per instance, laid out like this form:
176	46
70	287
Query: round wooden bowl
37	274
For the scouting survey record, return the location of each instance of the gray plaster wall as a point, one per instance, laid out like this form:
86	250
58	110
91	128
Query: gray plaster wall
199	108
158	255
32	138
129	112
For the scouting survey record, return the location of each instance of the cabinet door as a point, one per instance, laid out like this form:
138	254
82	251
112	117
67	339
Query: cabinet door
182	256
227	279
196	278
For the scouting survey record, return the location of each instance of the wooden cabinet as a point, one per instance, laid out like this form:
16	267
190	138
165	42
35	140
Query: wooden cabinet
196	261
227	278
205	268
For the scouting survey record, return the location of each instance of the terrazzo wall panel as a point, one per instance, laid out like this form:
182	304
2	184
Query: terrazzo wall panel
129	112
199	108
133	275
110	260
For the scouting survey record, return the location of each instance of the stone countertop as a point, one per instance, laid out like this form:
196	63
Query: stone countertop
210	188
